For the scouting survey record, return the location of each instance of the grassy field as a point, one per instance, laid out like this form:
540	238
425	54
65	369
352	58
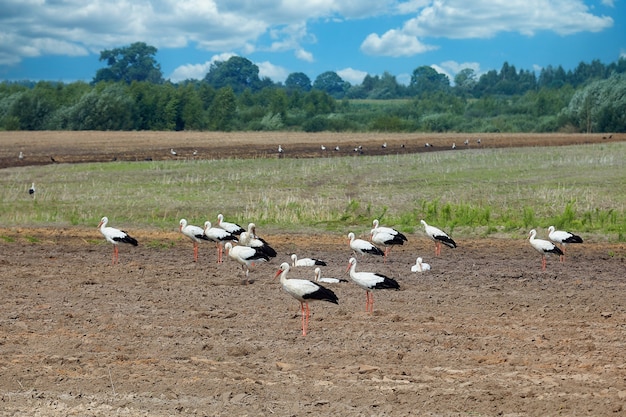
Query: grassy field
477	192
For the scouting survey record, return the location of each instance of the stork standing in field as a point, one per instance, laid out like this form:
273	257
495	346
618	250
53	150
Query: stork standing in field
420	266
195	233
246	256
233	228
304	291
219	236
250	238
562	238
544	247
363	247
370	281
439	237
326	280
305	261
386	236
115	236
31	190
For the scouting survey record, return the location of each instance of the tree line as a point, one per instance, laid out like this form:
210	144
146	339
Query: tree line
130	93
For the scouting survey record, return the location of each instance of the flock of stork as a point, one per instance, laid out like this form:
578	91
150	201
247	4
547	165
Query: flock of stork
248	249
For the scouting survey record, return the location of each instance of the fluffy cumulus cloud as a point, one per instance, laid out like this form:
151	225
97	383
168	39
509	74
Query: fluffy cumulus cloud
352	75
460	19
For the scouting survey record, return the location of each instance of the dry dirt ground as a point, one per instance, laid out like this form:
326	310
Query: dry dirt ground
486	332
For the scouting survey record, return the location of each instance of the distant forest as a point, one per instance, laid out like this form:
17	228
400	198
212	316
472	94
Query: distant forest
129	93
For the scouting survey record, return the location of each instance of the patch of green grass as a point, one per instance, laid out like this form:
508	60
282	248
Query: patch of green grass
478	191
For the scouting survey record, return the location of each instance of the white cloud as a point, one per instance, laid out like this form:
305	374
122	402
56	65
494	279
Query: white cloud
303	55
274	72
352	75
486	18
196	71
394	43
452	68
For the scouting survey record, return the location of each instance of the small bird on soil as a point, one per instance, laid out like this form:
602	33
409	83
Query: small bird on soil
115	236
544	247
562	237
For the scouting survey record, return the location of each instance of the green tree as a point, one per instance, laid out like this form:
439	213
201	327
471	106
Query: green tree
331	83
131	63
426	79
237	73
465	81
298	81
223	110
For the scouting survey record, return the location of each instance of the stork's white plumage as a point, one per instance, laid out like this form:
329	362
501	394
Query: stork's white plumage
439	237
31	190
305	261
115	236
233	228
544	247
304	291
195	233
250	238
562	238
219	236
246	256
327	280
363	247
370	281
420	266
386	236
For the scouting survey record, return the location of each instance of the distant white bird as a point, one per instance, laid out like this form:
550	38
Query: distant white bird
195	233
304	291
478	141
115	236
31	190
20	156
544	247
439	237
337	147
280	149
420	266
363	247
219	236
195	152
562	237
173	152
427	145
233	228
453	145
384	145
323	147
370	281
246	256
305	261
326	280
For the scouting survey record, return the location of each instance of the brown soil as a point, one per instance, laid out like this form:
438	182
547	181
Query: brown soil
486	332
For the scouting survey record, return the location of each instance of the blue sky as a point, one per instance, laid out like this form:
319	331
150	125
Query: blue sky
61	40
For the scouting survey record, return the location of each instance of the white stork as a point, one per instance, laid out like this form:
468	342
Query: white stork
250	238
304	291
219	236
386	236
195	233
370	281
326	280
420	266
233	228
439	237
246	256
562	237
115	236
305	261
363	246
544	247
